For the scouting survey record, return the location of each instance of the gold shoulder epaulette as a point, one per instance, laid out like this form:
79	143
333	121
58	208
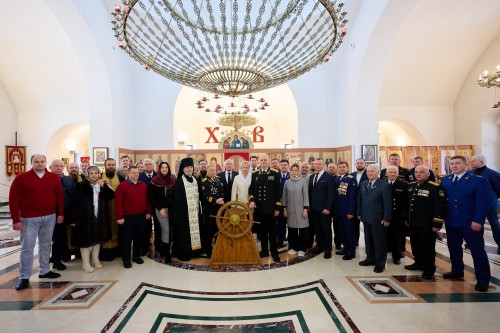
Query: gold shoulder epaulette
350	176
273	169
413	182
203	179
433	183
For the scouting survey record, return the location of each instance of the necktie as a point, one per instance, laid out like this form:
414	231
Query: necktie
455	179
228	177
370	184
149	176
315	179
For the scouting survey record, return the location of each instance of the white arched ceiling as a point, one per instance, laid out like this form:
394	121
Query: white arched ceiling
59	143
434	50
399	133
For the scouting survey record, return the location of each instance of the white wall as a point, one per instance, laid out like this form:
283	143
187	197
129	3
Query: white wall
475	121
8	127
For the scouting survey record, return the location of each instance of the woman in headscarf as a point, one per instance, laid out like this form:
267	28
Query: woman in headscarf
88	215
295	201
242	183
160	193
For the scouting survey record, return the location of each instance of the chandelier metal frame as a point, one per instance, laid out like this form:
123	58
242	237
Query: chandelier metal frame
230	46
489	80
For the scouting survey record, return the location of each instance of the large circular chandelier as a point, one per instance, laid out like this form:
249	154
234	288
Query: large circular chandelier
229	46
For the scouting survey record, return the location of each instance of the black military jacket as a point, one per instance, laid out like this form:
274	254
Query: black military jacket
265	191
427	204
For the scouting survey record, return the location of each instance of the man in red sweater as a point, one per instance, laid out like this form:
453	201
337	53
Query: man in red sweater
132	209
35	198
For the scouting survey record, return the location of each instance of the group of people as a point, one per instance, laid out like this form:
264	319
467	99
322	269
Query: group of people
110	215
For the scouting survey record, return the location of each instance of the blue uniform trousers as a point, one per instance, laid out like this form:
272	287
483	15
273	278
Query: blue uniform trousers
348	234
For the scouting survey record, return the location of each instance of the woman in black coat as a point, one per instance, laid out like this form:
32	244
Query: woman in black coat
160	191
88	215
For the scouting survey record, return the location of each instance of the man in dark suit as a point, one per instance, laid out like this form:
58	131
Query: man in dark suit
403	173
321	197
265	197
346	199
397	229
281	219
227	178
426	216
211	197
360	175
478	164
469	200
145	177
416	162
375	211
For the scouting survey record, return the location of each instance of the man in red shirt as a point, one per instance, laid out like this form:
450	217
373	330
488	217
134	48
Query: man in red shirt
35	198
132	209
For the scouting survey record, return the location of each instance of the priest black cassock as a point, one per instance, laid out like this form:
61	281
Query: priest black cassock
185	212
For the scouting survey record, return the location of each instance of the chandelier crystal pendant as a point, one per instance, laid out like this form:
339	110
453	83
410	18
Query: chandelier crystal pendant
489	80
229	46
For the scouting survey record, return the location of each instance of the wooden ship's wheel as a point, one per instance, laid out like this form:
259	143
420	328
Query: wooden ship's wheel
235	244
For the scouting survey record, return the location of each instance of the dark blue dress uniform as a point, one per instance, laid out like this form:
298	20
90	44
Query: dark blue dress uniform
346	199
427	211
211	189
281	219
493	177
396	232
264	190
469	200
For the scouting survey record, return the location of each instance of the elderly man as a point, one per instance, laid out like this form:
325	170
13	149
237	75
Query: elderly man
60	236
265	197
416	162
227	178
375	211
133	208
321	198
426	216
396	232
332	169
304	171
403	173
35	198
212	198
469	200
479	168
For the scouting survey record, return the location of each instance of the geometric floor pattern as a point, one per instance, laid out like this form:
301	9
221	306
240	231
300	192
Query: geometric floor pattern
308	307
78	295
382	289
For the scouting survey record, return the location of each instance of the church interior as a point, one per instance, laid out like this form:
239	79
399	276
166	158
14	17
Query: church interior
403	79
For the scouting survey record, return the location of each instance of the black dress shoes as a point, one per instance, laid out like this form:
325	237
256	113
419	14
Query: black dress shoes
396	261
127	264
378	269
276	258
328	254
49	275
482	287
452	275
263	254
338	247
22	284
317	250
365	263
346	257
427	276
60	266
138	260
340	252
412	267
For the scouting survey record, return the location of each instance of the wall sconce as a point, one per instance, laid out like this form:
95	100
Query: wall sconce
181	143
189	147
71	146
288	145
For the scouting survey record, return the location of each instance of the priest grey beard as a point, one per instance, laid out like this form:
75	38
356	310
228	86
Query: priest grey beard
188	174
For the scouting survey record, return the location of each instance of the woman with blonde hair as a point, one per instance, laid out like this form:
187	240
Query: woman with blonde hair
241	183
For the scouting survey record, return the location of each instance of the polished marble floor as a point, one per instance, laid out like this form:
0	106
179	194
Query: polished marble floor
309	294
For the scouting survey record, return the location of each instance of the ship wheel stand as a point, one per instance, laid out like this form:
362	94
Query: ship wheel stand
235	244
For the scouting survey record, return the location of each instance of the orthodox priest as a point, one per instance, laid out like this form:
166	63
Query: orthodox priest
186	212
